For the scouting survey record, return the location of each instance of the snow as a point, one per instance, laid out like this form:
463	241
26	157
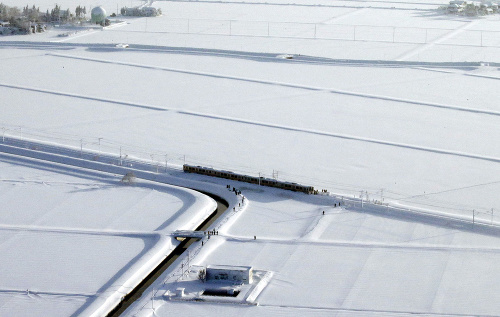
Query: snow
82	237
394	119
367	260
394	99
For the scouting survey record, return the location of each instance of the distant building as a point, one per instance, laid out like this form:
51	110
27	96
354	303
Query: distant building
456	6
4	28
141	12
232	274
150	11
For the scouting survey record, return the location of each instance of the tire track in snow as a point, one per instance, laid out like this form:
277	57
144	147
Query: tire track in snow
288	85
266	124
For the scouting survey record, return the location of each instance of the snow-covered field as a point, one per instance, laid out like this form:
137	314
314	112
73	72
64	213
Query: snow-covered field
387	97
72	240
335	117
351	261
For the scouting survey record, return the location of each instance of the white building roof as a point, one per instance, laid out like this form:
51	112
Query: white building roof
229	267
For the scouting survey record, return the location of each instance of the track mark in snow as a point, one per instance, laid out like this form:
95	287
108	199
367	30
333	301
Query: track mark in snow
350	137
460	73
426	46
71	37
267	125
309	233
438	287
288	85
363	312
43	293
447	191
320	224
65	94
342	16
45	182
315	5
131	234
366	245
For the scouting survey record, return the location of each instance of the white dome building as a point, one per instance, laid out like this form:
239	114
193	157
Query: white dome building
98	15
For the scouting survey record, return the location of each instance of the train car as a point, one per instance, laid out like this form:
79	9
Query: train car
248	179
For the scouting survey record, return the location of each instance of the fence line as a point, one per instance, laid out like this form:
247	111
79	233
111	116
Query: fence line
483	217
375	33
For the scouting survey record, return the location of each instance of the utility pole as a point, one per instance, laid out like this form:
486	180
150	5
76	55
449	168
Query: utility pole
473	216
3	135
81	148
361	196
259	178
121	163
166	162
99	141
153	300
275	174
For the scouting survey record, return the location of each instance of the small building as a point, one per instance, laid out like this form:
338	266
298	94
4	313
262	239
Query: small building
456	6
228	273
150	12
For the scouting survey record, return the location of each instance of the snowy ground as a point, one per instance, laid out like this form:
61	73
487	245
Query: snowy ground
345	115
57	223
389	98
351	261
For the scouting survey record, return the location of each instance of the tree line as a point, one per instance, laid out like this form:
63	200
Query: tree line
17	17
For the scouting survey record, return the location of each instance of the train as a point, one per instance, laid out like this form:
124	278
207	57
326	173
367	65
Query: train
249	179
